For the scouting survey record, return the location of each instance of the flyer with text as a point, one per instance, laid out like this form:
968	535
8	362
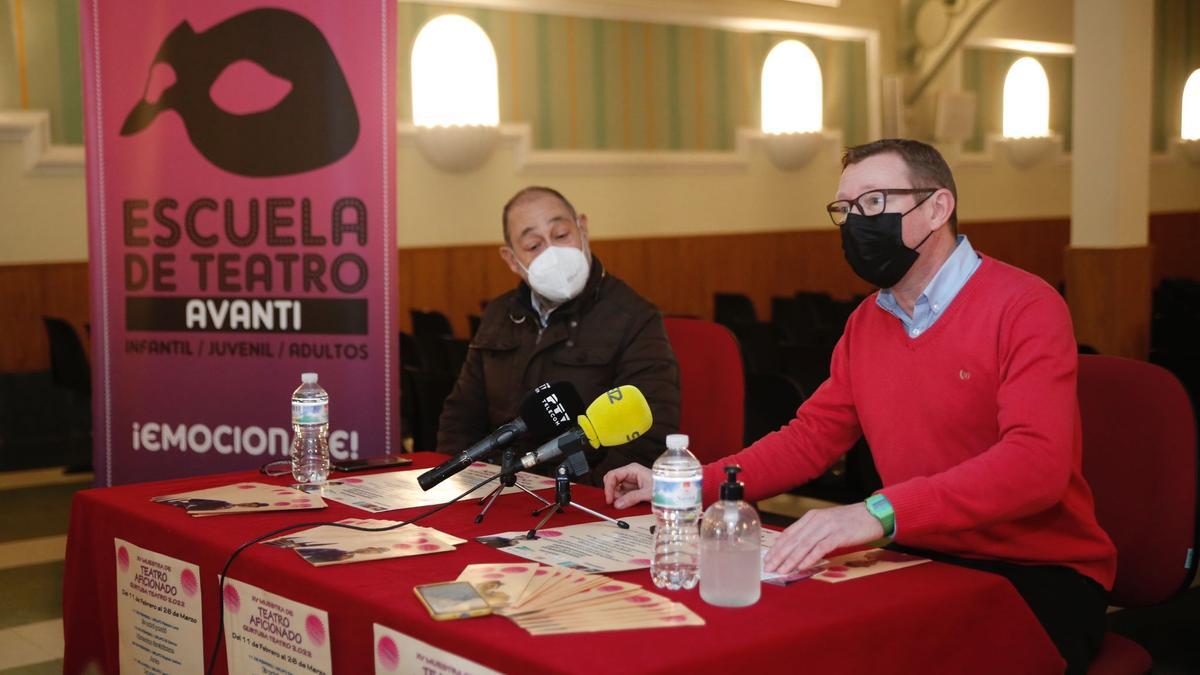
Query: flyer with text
267	634
158	612
399	654
399	489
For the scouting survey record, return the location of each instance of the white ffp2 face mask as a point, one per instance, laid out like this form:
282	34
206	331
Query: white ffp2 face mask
559	273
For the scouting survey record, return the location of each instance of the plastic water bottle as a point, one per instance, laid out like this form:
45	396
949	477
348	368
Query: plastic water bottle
676	502
731	548
310	431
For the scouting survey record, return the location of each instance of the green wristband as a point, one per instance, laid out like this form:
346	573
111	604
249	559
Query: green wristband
879	507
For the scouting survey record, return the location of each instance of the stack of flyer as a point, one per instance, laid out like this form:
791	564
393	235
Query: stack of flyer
333	545
552	600
242	498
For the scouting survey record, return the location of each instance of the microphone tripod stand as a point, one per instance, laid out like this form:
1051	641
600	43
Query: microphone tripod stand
574	465
508	478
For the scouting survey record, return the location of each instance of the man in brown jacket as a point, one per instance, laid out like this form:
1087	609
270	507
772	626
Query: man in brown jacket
568	320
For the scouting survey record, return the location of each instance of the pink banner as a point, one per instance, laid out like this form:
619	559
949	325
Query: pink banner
240	197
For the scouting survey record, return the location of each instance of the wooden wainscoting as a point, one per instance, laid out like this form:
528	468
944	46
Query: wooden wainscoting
451	280
1109	293
679	274
28	292
1176	241
1033	245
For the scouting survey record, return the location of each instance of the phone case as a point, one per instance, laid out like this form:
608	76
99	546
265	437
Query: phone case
447	609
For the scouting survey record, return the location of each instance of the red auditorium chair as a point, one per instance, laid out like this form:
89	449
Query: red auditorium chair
712	388
1139	455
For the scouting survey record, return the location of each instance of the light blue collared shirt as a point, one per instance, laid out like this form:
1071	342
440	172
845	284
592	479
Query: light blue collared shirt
940	292
543	316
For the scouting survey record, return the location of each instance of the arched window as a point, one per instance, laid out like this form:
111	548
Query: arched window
454	75
1189	125
1026	100
791	89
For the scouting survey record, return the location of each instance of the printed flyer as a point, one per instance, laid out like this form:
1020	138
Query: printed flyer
241	225
399	654
399	489
598	547
267	634
158	612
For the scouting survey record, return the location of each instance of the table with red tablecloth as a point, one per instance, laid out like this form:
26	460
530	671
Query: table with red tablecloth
928	618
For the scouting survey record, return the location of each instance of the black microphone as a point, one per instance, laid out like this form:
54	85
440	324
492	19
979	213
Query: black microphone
546	408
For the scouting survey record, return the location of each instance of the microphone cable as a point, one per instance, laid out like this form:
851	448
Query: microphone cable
212	660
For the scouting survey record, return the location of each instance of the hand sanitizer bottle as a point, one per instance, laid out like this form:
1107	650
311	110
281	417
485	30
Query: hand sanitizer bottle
730	548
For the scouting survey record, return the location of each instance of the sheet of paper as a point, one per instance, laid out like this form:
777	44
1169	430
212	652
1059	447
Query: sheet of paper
592	547
866	563
499	583
675	615
600	547
399	489
332	545
558	600
768	540
268	633
323	534
563	586
159	614
241	498
608	595
396	652
363	549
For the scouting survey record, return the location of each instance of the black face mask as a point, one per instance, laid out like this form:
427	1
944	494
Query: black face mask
875	249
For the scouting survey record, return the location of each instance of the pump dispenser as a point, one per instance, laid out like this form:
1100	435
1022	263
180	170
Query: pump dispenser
730	548
731	489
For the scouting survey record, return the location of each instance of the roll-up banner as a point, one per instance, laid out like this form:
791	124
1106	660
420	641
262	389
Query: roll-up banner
241	192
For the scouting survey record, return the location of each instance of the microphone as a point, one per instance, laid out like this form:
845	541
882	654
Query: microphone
616	417
547	408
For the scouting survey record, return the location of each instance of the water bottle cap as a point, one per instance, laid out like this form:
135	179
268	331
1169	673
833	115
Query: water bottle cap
308	378
677	442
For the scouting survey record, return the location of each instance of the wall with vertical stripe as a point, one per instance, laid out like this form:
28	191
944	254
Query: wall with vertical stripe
603	84
599	84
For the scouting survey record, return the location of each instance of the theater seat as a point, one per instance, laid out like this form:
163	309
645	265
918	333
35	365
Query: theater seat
1139	456
712	389
1120	656
69	365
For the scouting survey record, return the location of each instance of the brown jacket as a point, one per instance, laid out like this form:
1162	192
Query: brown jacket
608	336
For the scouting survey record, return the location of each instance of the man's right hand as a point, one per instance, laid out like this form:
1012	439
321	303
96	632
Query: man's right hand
628	485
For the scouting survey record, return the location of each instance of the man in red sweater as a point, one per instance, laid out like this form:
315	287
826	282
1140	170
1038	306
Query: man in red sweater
960	372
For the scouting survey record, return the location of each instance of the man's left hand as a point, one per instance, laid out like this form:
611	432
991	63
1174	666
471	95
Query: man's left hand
820	531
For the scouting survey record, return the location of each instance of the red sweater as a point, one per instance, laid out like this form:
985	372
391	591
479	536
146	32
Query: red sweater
974	427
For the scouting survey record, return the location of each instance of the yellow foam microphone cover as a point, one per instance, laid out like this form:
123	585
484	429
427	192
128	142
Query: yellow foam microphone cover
616	417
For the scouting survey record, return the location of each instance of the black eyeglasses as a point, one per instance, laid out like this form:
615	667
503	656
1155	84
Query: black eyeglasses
870	203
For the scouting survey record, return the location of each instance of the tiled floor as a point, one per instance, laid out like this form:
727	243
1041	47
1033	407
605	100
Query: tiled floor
34	508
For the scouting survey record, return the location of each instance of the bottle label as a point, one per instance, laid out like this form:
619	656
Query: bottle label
677	493
310	413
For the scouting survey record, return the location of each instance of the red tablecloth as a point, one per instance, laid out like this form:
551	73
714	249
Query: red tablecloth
928	618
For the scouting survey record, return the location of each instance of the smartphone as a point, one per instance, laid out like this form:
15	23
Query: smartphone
452	600
369	463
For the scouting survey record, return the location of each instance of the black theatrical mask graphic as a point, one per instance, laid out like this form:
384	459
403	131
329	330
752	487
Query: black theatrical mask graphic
875	249
315	124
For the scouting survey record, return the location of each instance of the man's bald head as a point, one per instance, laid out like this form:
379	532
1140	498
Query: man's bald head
531	192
